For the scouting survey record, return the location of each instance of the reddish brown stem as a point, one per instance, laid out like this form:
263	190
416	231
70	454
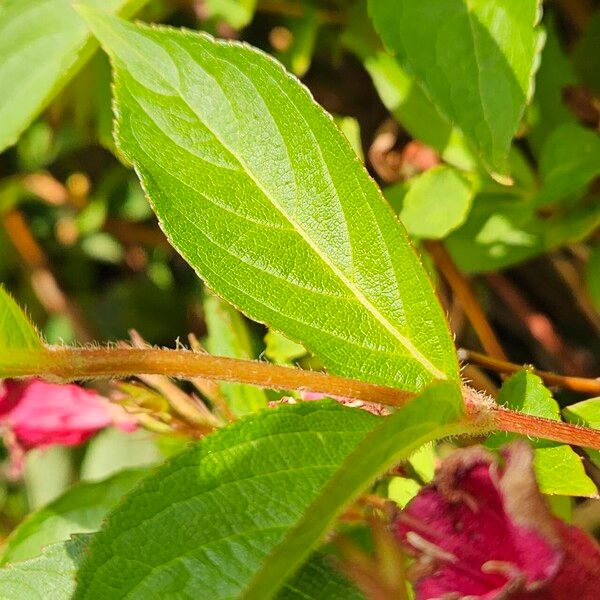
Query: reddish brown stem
463	291
515	422
577	384
482	414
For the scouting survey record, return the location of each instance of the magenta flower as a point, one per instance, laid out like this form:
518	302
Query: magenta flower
484	532
36	414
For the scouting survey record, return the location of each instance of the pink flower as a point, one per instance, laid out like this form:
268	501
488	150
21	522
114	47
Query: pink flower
484	532
37	414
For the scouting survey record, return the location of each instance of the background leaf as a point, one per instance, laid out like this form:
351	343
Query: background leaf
256	187
43	43
50	576
570	159
228	335
79	510
434	203
204	523
495	43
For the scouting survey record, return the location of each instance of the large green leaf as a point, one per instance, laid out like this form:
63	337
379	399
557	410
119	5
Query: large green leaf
228	335
43	43
257	188
558	468
79	510
431	415
474	58
402	95
204	523
20	344
50	576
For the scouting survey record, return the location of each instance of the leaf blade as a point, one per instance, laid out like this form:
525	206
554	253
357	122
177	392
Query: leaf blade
433	36
306	195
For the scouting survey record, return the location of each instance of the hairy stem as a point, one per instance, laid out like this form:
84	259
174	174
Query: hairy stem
67	364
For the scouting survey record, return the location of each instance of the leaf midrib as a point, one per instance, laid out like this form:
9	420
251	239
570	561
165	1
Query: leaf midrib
412	349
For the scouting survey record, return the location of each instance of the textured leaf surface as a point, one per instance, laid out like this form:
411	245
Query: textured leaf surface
260	192
42	45
80	510
50	576
203	524
586	413
228	335
558	468
431	415
434	203
475	59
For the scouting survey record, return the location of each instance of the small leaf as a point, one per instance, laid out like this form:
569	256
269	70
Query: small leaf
237	13
228	335
257	188
50	576
433	414
558	468
569	161
43	43
435	202
79	510
205	522
302	32
20	344
281	350
586	413
475	60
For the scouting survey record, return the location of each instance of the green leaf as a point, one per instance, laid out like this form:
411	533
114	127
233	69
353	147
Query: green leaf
475	60
79	510
593	276
317	580
431	415
20	344
569	161
402	95
548	110
228	335
50	576
281	350
256	187
16	330
303	32
206	521
586	58
433	203
503	230
558	468
238	13
43	43
586	413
